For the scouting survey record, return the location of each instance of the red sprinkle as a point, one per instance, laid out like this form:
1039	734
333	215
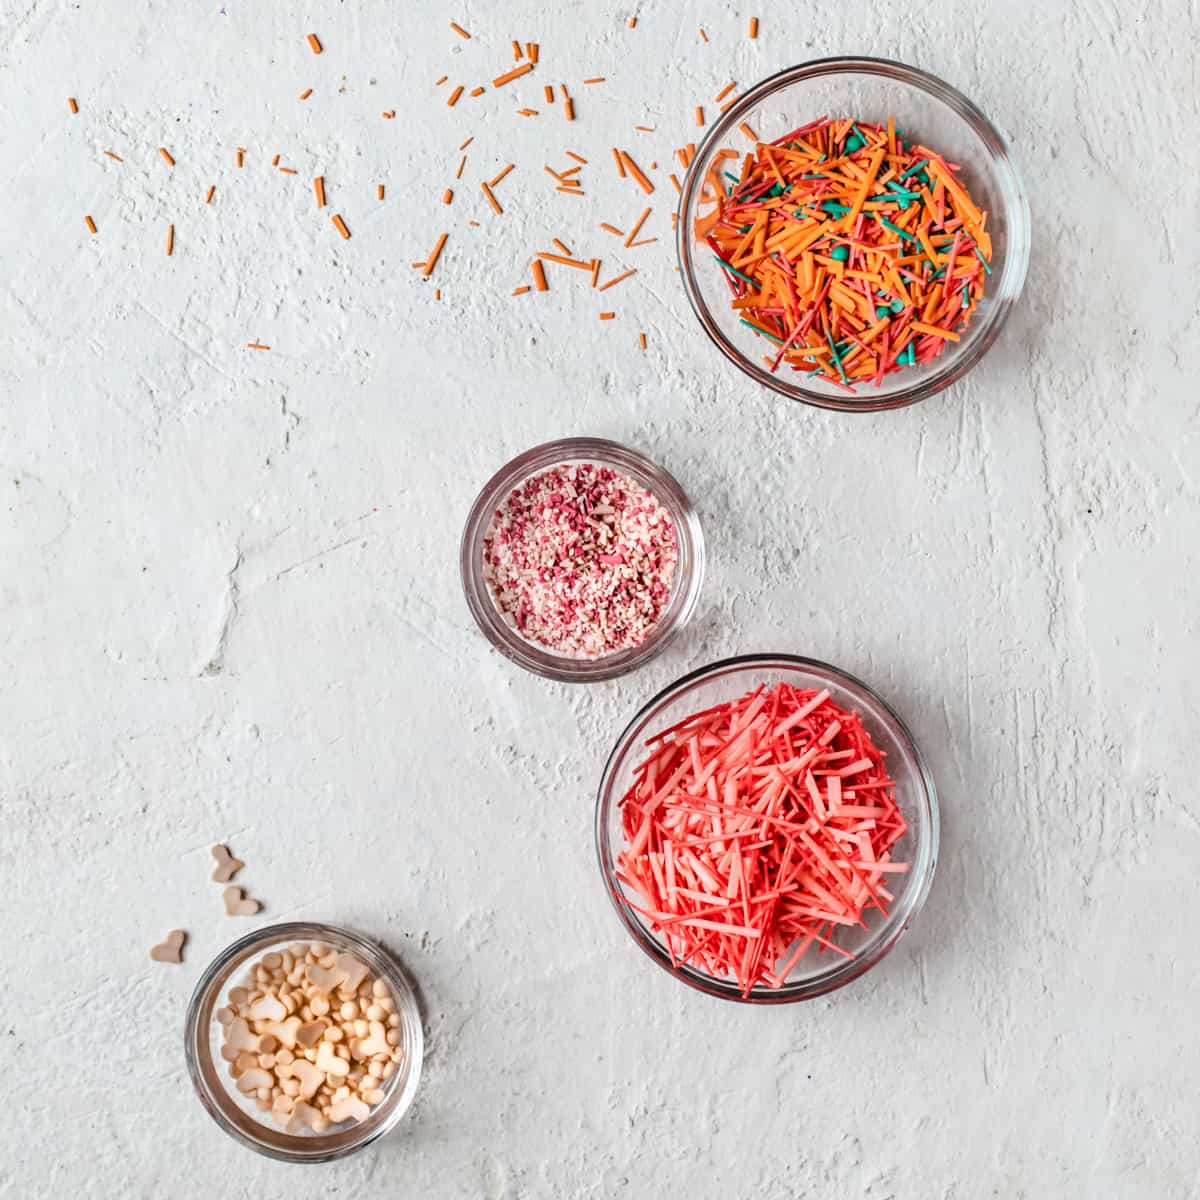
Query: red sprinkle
756	829
580	559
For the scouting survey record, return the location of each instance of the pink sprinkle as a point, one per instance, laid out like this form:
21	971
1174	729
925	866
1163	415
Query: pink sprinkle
580	559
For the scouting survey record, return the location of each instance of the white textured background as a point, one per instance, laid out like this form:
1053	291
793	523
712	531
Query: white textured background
231	605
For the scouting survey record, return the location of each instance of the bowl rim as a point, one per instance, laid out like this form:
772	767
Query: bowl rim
685	587
1006	290
843	971
324	1147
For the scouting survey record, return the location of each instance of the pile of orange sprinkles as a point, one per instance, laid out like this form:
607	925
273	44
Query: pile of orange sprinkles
855	252
758	830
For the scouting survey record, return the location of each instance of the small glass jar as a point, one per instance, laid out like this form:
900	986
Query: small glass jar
685	586
231	1110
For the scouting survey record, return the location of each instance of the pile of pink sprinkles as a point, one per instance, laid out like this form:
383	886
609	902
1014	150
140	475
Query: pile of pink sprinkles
580	560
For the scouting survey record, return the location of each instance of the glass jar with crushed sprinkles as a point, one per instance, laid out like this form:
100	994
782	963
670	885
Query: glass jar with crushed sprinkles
581	559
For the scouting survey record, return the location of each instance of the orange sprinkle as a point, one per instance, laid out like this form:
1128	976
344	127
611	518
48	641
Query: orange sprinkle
569	108
607	316
703	35
447	195
319	188
340	226
212	189
437	293
114	157
699	115
753	28
454	95
642	340
595	79
946	334
288	170
637	173
462	33
440	81
676	184
548	92
379	191
515	73
431	261
304	95
487	191
520	291
748	131
275	161
613	282
462	162
595	270
637	228
90	224
532	49
632	22
492	182
724	92
577	158
474	224
564	260
643	242
166	156
610	229
476	91
241	155
170	240
644	128
518	53
539	276
389	115
256	346
527	112
467	142
620	162
565	249
315	43
72	104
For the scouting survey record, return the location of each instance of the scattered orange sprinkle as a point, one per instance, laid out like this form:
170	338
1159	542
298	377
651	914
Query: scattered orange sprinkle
753	27
532	49
462	162
72	104
642	340
492	182
561	246
487	191
90	224
632	22
539	276
703	35
467	142
613	282
644	128
431	261
447	195
256	346
275	161
241	155
518	53
620	162
212	191
699	115
462	33
637	228
569	108
389	115
527	112
438	82
315	43
595	270
340	225
595	79
610	229
637	173
114	157
166	156
748	131
724	92
476	91
379	191
304	95
288	170
454	95
577	158
437	293
520	291
676	184
548	92
319	188
564	260
170	240
515	73
607	316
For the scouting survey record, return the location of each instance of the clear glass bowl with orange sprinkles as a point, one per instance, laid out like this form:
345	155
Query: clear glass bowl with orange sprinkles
853	234
581	559
767	829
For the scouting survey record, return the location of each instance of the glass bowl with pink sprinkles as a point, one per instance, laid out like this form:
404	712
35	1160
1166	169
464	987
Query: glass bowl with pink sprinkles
582	559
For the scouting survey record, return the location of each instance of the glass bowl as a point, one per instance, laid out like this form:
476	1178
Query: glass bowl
685	588
815	973
930	112
232	1111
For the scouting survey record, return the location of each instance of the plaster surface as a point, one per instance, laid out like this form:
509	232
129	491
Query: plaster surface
231	607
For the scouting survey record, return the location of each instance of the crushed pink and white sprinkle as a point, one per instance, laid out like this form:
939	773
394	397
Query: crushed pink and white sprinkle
580	560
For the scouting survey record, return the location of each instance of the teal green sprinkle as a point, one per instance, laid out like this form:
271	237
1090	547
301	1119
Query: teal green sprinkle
837	358
854	144
965	297
777	341
897	305
983	260
914	168
832	206
908	237
882	310
731	175
734	270
937	274
903	191
840	254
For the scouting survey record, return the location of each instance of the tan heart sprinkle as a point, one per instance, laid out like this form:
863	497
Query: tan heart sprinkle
227	866
237	904
170	950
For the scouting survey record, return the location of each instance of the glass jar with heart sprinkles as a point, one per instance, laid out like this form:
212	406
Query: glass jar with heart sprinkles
581	559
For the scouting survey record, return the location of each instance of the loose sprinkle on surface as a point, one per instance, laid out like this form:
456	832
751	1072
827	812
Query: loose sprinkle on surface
257	346
212	191
431	261
462	33
448	196
170	240
304	95
753	28
454	95
314	43
613	282
72	104
340	226
114	157
607	316
487	191
319	189
91	225
515	73
166	156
